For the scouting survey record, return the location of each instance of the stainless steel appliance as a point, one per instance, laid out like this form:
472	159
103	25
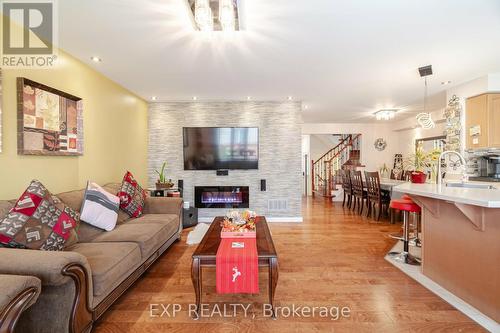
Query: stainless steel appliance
488	168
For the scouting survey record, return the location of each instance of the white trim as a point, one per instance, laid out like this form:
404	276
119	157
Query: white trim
294	219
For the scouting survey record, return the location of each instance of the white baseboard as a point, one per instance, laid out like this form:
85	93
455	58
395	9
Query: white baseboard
294	219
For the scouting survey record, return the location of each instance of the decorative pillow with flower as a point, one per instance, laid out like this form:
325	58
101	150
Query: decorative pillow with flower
38	221
132	196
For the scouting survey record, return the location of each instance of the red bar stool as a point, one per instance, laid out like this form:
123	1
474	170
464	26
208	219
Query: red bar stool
407	207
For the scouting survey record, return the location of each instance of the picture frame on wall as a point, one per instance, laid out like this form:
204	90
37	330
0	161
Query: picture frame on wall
50	121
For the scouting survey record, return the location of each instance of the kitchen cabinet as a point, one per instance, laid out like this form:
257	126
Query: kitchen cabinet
482	121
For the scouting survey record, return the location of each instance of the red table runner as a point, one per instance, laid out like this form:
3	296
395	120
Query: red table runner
237	268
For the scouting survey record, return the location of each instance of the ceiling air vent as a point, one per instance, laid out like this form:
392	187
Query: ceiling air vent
277	205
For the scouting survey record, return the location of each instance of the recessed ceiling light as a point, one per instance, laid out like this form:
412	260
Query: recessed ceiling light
195	98
249	98
306	107
445	82
95	59
290	98
153	98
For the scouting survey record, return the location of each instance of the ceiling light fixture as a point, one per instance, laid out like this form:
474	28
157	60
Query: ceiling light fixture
249	98
226	15
215	15
203	15
424	119
153	98
306	107
195	98
95	59
290	98
385	114
445	82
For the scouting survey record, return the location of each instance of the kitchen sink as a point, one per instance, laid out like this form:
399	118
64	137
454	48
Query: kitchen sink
471	185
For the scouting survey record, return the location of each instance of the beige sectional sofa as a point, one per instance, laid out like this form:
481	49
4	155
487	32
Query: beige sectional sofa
17	293
80	283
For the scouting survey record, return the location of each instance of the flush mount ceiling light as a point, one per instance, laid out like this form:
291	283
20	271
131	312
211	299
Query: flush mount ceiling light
153	98
385	114
290	98
214	15
96	59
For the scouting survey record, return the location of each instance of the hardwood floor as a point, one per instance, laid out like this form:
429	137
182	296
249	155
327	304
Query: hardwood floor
334	258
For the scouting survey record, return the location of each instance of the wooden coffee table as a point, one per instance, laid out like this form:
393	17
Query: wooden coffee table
204	256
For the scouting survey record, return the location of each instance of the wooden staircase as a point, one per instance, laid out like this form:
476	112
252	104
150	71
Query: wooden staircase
325	170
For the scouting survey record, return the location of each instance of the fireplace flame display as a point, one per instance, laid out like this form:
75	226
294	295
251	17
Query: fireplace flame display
221	196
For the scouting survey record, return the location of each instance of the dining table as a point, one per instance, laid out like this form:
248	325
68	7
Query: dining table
387	184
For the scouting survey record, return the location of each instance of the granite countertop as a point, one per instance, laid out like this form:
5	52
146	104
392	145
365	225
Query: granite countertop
489	198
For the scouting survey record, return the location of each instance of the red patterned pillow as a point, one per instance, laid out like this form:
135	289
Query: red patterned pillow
132	196
38	221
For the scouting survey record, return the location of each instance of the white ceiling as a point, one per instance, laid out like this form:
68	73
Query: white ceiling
344	59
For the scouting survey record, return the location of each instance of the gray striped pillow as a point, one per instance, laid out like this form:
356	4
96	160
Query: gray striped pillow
99	208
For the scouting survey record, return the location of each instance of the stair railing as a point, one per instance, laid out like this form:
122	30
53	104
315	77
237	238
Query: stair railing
325	169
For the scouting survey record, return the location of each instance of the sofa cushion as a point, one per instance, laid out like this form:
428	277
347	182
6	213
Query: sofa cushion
12	285
149	237
132	196
72	199
5	207
100	208
114	188
170	220
110	263
39	221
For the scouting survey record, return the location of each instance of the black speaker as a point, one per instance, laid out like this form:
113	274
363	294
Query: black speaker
263	185
222	172
189	217
180	186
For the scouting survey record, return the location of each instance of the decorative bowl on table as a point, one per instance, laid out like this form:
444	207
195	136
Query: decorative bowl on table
239	224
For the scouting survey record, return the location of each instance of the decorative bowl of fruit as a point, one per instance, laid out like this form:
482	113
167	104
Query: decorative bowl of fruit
239	224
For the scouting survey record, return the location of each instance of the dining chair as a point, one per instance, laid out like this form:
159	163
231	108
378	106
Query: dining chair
375	196
347	187
359	193
406	176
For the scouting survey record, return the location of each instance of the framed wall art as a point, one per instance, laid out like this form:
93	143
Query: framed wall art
50	121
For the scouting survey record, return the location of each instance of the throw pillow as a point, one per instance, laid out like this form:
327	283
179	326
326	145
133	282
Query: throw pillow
132	196
99	208
38	221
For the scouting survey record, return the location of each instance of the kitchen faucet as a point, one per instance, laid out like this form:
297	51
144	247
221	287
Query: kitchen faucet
462	160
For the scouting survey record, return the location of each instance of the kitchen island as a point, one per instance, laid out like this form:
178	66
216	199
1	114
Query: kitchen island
461	241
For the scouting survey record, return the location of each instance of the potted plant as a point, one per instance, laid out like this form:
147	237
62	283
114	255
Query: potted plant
417	163
162	183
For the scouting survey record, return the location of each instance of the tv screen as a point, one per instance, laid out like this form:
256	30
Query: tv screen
215	148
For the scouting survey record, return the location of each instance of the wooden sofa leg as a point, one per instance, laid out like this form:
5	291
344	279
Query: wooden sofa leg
81	313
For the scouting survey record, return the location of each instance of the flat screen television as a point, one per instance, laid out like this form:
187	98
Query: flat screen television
218	148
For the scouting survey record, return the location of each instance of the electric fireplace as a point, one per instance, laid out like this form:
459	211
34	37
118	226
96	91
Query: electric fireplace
221	196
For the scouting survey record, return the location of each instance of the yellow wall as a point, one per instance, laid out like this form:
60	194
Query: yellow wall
115	132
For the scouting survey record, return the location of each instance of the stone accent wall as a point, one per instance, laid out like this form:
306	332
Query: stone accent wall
279	126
